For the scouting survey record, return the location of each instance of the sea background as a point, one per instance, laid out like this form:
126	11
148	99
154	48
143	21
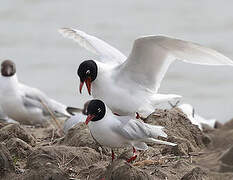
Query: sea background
46	60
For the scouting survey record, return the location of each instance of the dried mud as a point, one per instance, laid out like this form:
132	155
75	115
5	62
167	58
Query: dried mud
30	153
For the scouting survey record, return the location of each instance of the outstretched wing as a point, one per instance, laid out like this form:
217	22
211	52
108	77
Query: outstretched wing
97	46
152	55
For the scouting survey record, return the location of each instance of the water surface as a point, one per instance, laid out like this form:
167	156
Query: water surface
28	33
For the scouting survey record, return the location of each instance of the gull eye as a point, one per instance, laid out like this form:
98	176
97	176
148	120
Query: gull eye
99	110
88	72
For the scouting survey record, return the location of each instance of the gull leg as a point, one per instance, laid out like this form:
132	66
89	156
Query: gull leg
113	155
133	157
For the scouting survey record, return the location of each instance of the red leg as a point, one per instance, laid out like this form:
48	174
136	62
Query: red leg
113	155
133	157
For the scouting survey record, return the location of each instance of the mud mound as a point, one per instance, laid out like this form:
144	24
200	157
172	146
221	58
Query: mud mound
79	136
119	169
58	161
16	131
2	124
227	161
38	153
196	174
6	162
47	172
95	171
222	138
80	156
180	130
18	148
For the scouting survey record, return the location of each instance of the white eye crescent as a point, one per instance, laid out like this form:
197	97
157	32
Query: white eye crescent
99	110
88	72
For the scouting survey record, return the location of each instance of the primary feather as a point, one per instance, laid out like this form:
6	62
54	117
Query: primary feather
94	45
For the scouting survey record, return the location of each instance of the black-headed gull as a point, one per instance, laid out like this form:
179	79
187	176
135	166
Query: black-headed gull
25	104
195	118
130	85
121	131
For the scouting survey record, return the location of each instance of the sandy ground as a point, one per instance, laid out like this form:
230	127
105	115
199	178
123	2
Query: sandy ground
32	153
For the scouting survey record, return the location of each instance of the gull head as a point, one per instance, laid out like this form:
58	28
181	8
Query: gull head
87	72
95	111
8	68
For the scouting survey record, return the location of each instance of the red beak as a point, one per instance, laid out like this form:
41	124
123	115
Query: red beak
88	85
80	87
89	118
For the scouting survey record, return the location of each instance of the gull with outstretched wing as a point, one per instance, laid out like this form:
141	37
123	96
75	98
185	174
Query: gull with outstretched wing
130	85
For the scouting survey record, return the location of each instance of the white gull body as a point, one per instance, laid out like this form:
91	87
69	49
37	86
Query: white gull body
129	85
23	103
5	119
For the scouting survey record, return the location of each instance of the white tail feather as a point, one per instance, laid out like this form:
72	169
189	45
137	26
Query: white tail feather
160	142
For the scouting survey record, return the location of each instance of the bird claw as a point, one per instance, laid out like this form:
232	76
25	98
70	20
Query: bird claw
132	158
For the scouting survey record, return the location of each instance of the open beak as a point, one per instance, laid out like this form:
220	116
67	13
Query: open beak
88	85
89	118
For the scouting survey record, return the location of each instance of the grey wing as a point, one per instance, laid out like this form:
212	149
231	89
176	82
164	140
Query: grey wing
34	98
31	102
137	130
131	129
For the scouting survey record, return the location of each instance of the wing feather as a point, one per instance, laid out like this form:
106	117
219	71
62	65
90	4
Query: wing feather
137	130
151	56
32	97
94	45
